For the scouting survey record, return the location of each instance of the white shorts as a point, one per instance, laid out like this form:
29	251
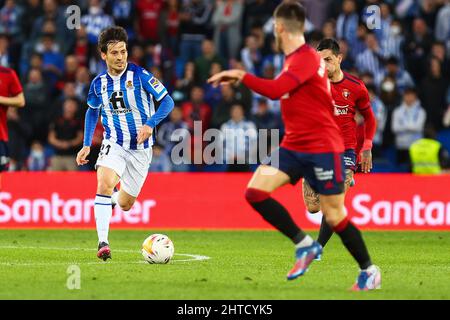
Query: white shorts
130	165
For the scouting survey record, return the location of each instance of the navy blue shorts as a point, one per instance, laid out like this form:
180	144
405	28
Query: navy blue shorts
350	160
323	171
4	156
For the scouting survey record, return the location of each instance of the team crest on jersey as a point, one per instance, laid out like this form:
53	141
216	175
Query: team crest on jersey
129	84
104	88
345	93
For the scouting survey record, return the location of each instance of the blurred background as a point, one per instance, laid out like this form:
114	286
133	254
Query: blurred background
404	64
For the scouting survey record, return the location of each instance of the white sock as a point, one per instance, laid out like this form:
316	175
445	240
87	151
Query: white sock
115	197
306	242
103	213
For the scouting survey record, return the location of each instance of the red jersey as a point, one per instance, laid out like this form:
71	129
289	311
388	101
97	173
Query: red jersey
9	87
349	94
148	13
306	103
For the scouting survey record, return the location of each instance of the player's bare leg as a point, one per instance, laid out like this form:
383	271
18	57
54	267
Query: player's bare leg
106	181
333	211
326	231
310	198
265	180
123	199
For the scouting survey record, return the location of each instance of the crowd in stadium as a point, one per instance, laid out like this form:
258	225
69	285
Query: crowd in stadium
404	62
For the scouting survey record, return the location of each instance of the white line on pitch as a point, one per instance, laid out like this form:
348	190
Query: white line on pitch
194	257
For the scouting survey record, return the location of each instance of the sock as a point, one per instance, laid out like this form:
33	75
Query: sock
274	213
352	239
103	213
306	242
325	232
115	197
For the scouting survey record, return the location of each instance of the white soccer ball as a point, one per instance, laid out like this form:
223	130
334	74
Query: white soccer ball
157	248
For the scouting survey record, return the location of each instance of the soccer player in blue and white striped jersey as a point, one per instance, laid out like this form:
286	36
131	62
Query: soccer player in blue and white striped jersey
123	95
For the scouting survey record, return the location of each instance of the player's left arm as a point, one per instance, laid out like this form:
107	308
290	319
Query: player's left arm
370	126
166	104
16	98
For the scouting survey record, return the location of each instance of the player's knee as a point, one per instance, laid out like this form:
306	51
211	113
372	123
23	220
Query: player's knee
312	208
253	195
104	188
333	217
125	205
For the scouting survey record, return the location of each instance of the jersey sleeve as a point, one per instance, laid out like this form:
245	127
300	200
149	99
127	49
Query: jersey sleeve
93	100
152	85
15	87
303	67
363	101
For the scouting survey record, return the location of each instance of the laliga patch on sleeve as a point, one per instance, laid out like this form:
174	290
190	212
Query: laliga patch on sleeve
157	86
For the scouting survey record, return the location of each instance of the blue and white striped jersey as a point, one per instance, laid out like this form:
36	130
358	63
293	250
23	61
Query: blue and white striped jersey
126	103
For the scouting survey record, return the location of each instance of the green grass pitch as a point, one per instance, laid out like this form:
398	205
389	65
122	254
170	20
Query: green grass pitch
242	265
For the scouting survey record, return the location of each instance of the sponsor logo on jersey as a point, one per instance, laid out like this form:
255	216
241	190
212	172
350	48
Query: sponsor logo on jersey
156	85
340	110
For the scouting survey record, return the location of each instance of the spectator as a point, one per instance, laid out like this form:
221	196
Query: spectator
393	41
194	18
52	59
257	12
274	59
32	10
37	161
251	56
123	13
240	139
95	21
38	106
183	86
371	59
82	83
19	131
213	94
227	26
427	154
408	122
329	29
402	78
347	22
66	136
380	112
416	47
148	12
203	63
442	28
5	57
81	47
70	69
160	160
165	132
433	93
196	110
169	24
222	111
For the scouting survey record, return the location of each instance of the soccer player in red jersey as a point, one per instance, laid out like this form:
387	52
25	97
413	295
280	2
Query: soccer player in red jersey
312	147
350	95
11	95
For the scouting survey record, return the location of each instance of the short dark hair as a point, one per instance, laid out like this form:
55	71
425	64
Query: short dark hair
330	44
111	35
293	14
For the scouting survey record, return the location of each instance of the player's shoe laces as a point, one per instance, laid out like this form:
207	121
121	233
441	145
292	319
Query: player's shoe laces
304	257
104	252
369	279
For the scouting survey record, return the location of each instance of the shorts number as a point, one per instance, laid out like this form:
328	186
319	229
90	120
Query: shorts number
107	147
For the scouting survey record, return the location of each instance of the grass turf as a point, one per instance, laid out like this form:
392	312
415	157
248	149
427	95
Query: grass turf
242	265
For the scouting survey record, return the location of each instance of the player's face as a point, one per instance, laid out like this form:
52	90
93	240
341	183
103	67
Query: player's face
116	56
277	29
332	62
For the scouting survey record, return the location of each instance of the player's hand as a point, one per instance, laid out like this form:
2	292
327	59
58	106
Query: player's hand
144	133
366	161
227	77
82	154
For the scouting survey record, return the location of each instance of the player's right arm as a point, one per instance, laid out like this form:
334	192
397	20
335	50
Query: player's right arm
297	72
93	111
16	98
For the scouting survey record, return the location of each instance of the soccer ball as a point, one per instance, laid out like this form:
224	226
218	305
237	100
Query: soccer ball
157	248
